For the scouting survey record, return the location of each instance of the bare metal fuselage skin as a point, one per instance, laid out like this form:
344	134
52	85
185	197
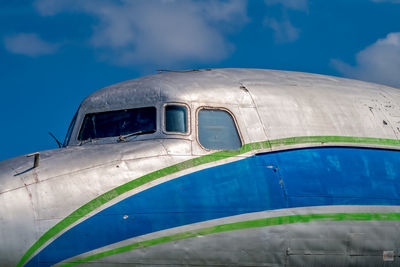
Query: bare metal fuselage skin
315	182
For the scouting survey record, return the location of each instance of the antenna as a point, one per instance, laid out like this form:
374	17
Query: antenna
55	139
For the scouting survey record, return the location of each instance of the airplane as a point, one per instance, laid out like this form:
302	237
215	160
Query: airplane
213	167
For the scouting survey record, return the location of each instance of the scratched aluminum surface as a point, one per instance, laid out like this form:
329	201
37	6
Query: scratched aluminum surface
266	105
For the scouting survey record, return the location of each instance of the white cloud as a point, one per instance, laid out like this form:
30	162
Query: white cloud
29	44
284	31
301	5
50	8
161	32
379	62
387	1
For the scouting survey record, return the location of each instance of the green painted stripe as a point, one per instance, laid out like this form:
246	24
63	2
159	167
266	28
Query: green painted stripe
104	198
243	225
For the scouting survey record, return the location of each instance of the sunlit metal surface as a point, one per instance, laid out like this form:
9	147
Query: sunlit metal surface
64	206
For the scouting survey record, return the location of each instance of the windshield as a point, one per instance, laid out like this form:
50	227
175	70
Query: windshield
118	123
69	132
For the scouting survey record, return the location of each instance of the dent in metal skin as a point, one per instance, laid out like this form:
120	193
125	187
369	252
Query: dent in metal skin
274	105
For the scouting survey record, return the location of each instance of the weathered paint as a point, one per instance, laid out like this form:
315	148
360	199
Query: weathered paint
244	225
104	198
275	111
308	177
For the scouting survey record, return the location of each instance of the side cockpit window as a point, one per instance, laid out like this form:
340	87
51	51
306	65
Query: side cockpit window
69	132
176	119
119	123
217	130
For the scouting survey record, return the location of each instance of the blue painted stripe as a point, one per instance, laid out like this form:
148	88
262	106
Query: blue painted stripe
295	178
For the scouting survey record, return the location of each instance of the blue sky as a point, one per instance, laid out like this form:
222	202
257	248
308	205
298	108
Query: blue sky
55	53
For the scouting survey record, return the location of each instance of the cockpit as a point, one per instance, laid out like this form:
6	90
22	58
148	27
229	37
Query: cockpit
216	128
202	107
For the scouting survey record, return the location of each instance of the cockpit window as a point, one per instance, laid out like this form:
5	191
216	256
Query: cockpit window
176	119
217	130
119	123
69	132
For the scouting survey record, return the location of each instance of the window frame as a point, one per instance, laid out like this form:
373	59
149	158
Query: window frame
222	109
163	118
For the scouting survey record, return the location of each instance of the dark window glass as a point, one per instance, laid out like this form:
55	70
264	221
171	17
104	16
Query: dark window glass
217	130
176	119
118	123
69	132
